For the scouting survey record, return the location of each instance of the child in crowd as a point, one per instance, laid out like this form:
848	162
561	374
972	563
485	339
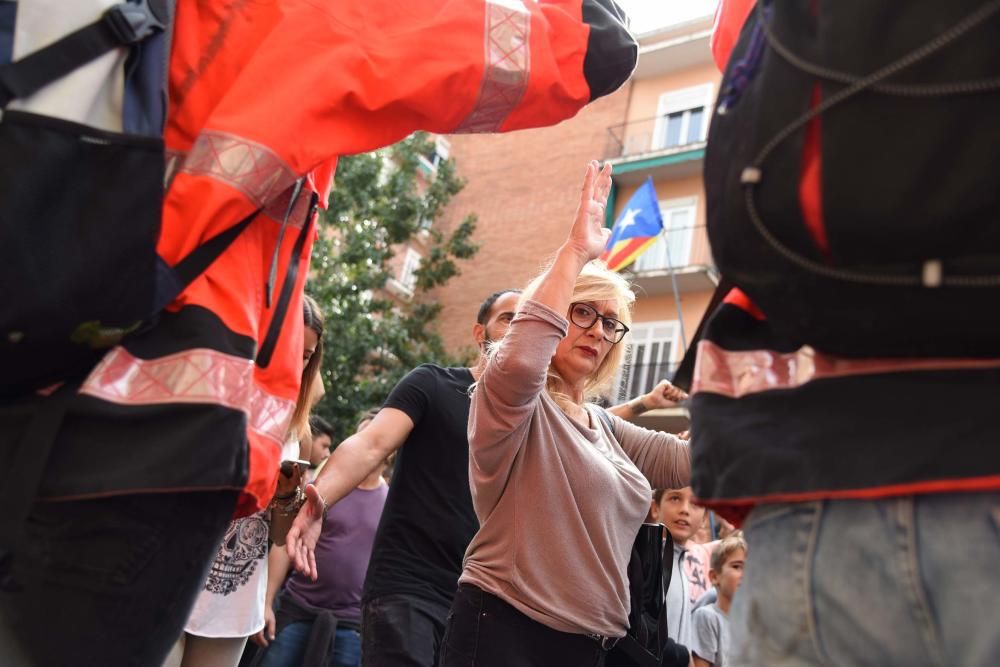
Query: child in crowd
710	637
675	509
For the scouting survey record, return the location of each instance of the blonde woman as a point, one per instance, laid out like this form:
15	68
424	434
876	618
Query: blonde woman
560	489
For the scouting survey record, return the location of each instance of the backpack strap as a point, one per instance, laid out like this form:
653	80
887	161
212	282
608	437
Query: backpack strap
603	415
684	375
663	640
637	655
287	288
172	280
124	24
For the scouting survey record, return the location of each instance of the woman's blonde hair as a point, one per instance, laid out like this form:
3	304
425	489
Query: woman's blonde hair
597	283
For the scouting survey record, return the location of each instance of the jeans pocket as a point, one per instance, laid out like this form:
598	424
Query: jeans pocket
772	614
461	637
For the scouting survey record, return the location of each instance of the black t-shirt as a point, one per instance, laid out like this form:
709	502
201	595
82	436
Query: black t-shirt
428	520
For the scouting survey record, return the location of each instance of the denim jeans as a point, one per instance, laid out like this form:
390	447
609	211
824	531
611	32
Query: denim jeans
901	581
110	581
289	648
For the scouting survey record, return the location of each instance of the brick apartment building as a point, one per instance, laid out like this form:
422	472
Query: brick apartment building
524	187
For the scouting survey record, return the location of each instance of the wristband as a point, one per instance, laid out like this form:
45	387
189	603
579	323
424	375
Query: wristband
326	507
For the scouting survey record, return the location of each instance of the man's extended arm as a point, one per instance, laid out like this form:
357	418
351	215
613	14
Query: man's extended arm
353	460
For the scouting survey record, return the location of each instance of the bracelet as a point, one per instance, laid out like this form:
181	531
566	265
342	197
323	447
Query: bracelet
637	406
326	506
290	504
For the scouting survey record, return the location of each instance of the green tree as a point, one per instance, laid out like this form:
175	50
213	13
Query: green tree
371	340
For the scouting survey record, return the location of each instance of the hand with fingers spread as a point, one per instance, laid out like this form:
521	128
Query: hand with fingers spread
589	236
305	532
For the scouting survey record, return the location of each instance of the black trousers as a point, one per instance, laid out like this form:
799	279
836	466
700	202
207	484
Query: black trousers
401	631
110	581
485	631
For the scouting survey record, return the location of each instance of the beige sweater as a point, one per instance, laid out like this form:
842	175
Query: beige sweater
559	504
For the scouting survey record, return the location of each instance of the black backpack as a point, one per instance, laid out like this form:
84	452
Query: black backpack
908	97
80	212
80	209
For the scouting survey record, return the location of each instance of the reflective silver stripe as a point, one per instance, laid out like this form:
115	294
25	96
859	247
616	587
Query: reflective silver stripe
193	376
738	373
508	64
275	209
251	168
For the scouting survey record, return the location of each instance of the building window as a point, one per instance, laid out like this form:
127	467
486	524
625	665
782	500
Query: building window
408	274
426	222
648	359
672	249
437	154
682	117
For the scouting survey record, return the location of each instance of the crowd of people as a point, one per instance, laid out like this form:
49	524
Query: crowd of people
168	497
453	564
478	450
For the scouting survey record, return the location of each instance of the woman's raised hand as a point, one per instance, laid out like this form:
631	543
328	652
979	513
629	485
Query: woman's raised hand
589	235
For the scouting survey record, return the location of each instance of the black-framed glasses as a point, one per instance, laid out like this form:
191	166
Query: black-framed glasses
584	315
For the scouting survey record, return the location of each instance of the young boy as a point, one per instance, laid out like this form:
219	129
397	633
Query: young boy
710	638
675	509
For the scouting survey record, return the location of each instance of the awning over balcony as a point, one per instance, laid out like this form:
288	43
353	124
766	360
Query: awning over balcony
665	163
691	278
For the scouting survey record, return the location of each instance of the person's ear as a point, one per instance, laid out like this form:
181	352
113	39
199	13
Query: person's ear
654	511
713	577
479	334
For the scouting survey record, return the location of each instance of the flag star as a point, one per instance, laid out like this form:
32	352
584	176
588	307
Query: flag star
629	218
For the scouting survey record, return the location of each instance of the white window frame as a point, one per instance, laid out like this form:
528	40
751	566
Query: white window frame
442	149
682	100
407	274
655	257
646	335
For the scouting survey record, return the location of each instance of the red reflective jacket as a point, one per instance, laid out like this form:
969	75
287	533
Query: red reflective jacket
263	94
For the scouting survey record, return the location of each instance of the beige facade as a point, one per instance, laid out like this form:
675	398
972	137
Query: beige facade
524	187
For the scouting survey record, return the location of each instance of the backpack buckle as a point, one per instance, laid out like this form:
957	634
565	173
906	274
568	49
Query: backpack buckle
132	22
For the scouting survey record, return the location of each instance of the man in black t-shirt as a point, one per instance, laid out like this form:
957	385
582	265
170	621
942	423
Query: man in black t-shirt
428	520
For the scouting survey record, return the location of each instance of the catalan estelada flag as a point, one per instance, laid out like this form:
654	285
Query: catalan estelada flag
637	228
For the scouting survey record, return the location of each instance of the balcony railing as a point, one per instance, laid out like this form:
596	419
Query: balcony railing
672	252
651	135
638	379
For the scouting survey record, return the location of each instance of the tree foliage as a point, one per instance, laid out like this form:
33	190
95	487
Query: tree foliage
372	339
